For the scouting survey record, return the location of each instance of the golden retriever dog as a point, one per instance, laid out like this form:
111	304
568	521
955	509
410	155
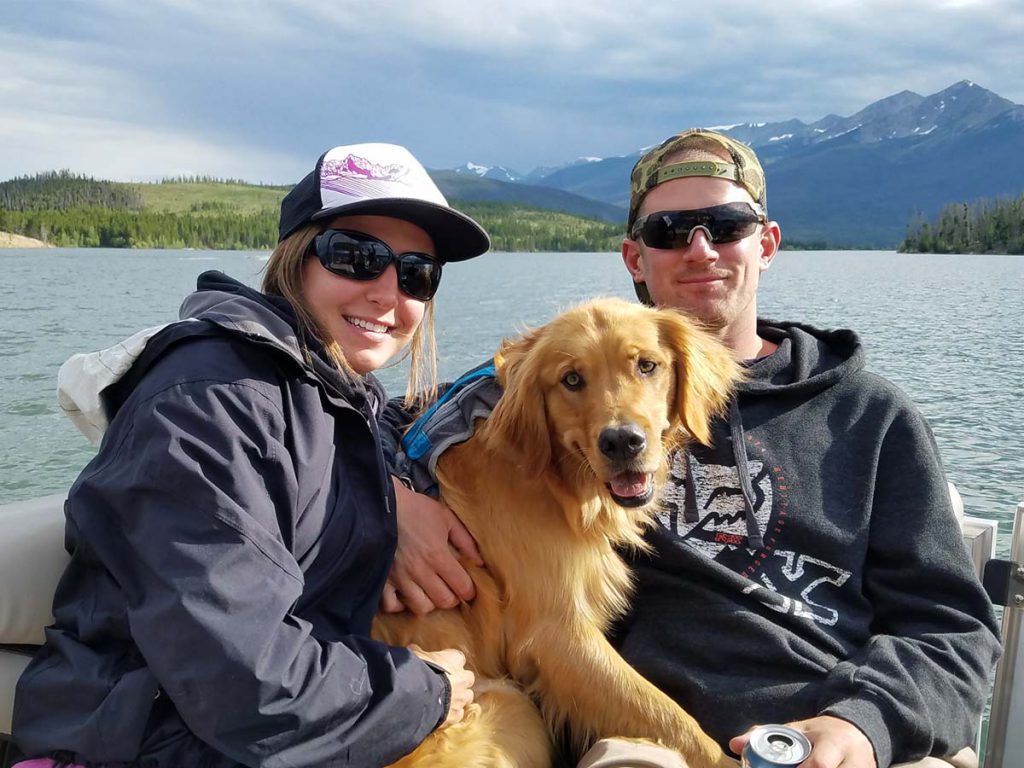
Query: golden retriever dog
564	474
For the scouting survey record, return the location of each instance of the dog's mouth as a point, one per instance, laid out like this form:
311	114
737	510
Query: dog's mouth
632	489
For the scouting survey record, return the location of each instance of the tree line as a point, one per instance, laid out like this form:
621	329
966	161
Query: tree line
60	190
66	210
988	226
518	228
217	226
94	227
69	210
201	179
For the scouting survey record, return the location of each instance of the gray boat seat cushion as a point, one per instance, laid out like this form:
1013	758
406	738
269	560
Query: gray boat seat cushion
32	559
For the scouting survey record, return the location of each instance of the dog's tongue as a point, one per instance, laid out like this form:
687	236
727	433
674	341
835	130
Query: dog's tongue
629	484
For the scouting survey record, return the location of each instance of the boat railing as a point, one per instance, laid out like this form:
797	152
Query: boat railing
1004	582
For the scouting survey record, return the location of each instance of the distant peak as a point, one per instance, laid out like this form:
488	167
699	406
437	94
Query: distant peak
964	85
479	170
903	97
499	172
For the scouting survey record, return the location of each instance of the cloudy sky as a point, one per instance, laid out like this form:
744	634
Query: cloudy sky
256	89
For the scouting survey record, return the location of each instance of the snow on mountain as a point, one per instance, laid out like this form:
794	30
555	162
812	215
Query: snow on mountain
498	172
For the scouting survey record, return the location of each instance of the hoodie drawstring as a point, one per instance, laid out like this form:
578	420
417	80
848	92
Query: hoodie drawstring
739	452
690	494
754	540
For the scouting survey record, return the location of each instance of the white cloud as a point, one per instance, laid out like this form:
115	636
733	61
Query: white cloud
510	82
60	79
119	151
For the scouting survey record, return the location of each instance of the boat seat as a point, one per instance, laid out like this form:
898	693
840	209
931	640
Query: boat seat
32	559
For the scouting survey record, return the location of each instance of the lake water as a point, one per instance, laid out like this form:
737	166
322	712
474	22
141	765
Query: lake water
948	329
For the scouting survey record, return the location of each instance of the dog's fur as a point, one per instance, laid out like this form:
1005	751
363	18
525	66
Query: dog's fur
534	488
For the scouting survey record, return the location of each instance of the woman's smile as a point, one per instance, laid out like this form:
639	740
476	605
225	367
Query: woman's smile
369	325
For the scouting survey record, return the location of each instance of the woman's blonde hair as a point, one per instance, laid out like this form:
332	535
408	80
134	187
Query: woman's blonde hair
283	277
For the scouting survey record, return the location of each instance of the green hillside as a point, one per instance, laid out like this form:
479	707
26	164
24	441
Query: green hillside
520	228
74	211
210	196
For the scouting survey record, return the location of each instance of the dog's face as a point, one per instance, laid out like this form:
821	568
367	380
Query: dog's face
600	393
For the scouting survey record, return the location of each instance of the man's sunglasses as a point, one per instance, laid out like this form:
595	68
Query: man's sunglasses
362	257
725	223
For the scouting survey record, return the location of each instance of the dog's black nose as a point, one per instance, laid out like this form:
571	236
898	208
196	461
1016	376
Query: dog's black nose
622	442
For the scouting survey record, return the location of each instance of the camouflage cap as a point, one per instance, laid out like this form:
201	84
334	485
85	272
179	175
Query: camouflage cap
650	171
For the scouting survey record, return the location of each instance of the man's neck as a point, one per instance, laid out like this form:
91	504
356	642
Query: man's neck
745	343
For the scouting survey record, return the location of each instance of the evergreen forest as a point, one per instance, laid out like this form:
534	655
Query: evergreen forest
989	226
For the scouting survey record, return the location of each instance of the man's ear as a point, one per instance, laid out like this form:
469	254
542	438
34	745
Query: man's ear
518	426
705	373
771	238
632	258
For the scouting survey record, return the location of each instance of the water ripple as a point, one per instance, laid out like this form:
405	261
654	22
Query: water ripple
944	328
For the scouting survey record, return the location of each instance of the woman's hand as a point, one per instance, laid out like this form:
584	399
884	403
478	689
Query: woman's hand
834	742
426	573
460	680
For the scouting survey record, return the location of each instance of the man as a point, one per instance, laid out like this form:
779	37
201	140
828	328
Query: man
808	569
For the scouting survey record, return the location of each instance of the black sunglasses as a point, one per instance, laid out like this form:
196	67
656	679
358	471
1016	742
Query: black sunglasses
724	223
362	257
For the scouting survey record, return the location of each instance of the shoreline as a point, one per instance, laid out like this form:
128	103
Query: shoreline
10	240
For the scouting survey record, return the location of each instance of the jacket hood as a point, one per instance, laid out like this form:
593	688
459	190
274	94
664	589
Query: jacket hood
807	360
219	306
235	306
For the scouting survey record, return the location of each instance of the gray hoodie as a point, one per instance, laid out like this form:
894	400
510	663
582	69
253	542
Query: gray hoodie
828	577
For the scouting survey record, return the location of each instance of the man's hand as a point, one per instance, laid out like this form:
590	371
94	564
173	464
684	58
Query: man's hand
426	573
460	680
834	742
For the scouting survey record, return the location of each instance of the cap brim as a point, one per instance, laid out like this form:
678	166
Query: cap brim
456	236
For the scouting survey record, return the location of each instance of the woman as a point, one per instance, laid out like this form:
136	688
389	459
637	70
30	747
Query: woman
231	538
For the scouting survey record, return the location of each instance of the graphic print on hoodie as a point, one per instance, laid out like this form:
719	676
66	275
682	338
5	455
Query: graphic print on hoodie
798	584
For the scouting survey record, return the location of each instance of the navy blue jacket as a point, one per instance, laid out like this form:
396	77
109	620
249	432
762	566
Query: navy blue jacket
229	543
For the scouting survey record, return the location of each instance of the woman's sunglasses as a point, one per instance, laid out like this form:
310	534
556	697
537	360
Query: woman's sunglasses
362	257
725	223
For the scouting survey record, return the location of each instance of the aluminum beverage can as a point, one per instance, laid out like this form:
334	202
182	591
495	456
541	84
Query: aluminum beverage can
775	746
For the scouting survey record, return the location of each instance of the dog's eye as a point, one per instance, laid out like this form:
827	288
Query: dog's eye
646	367
572	381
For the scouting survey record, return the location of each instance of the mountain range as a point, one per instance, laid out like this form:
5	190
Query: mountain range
470	187
854	181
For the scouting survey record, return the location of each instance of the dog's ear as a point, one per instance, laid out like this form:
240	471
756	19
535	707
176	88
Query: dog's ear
518	426
705	373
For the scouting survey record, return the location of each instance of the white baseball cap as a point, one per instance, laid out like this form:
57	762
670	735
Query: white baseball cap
382	180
